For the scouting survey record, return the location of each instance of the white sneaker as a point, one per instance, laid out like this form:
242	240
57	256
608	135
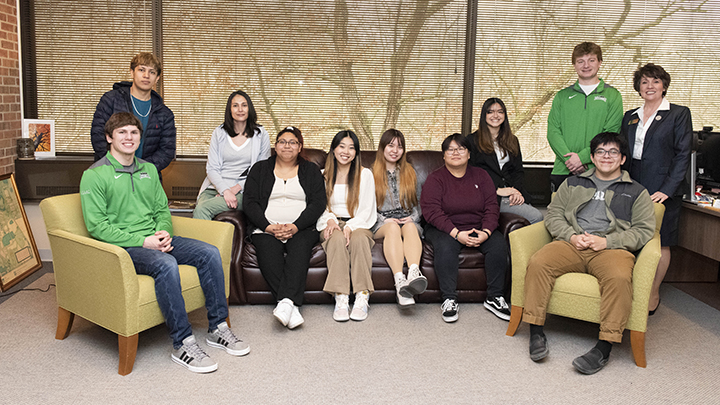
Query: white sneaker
450	309
400	283
295	318
416	282
361	306
283	310
342	308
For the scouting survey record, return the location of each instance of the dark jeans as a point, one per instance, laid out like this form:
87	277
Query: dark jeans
447	261
285	265
163	267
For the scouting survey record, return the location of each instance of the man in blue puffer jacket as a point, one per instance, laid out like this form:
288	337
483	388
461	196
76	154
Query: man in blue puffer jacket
158	142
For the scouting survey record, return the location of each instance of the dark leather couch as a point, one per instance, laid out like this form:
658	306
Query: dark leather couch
247	285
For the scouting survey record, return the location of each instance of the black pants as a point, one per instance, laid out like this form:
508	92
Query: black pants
285	265
447	261
556	180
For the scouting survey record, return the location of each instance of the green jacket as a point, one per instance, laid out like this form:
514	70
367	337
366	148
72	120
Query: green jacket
575	119
123	206
629	209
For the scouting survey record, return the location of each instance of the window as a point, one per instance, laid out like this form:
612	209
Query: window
366	65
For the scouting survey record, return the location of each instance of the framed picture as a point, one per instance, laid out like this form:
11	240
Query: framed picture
18	253
42	132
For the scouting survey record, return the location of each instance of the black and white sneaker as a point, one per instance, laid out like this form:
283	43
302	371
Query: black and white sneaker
499	307
450	310
190	355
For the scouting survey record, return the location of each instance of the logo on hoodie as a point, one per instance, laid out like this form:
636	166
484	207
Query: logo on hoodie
144	175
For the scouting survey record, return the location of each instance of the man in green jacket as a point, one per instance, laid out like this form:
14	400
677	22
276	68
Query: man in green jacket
597	219
123	203
579	112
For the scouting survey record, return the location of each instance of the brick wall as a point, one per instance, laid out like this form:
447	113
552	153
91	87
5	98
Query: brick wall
10	119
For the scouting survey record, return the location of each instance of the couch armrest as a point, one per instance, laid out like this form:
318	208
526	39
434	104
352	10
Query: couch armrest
509	222
237	219
523	244
218	234
99	286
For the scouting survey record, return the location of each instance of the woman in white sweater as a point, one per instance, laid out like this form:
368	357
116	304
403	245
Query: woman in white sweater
235	146
345	227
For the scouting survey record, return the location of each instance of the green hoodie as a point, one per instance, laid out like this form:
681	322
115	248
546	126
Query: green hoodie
123	206
575	119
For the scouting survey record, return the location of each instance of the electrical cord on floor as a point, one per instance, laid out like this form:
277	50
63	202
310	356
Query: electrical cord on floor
27	289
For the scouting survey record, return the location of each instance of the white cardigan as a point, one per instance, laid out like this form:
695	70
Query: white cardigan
366	211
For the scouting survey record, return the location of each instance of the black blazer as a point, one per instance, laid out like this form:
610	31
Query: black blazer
511	175
666	149
259	185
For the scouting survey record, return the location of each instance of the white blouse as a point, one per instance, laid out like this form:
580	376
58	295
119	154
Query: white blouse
366	212
642	127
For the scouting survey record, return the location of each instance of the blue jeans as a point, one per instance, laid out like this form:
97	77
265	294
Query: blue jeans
163	268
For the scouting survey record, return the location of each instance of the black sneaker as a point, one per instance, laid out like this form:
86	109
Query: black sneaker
538	347
499	307
450	309
590	362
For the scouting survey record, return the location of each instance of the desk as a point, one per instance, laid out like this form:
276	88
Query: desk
697	256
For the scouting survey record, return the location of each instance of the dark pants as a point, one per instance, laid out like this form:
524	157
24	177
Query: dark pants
285	265
447	261
556	180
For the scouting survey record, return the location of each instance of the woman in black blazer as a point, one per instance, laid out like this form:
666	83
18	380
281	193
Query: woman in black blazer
659	135
284	196
494	148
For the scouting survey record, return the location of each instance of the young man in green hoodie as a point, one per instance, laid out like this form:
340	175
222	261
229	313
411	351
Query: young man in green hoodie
579	112
123	203
596	219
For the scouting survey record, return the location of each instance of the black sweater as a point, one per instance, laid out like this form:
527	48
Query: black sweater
511	175
259	185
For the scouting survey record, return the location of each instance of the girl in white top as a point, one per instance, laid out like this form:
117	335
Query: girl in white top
345	227
235	146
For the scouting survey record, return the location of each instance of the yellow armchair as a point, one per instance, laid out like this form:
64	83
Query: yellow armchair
577	295
97	280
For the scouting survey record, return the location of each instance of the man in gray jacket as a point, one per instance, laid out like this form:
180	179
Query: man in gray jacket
597	219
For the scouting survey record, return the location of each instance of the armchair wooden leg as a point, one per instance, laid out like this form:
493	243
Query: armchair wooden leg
65	321
515	318
127	346
637	341
228	318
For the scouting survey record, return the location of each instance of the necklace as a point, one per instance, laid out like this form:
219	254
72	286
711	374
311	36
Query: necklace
132	100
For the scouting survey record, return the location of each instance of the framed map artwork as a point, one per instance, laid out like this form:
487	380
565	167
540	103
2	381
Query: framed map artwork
42	132
18	253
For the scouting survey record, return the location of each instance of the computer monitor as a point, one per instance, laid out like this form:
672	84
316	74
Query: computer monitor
707	166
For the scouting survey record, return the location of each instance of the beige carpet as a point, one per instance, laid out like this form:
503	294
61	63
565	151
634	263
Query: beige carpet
393	357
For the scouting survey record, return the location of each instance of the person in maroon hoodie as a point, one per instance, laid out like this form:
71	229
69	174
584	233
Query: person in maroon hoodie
460	206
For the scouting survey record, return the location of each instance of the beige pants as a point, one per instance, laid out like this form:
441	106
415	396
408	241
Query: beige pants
612	268
344	263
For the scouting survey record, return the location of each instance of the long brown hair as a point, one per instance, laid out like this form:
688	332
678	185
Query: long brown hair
353	188
507	142
407	181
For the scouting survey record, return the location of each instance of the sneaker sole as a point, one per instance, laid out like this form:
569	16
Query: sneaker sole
229	351
450	319
415	287
505	317
201	370
359	318
284	322
295	325
407	305
341	319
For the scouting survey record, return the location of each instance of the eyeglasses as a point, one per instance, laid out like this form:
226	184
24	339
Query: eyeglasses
602	152
291	142
461	150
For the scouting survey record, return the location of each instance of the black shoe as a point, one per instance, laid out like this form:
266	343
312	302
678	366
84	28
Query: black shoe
499	307
651	313
538	347
590	362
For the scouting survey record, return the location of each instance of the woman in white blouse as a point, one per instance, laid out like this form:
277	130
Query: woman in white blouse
345	227
235	146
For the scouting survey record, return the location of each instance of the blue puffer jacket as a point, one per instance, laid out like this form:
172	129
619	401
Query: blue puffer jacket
159	144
